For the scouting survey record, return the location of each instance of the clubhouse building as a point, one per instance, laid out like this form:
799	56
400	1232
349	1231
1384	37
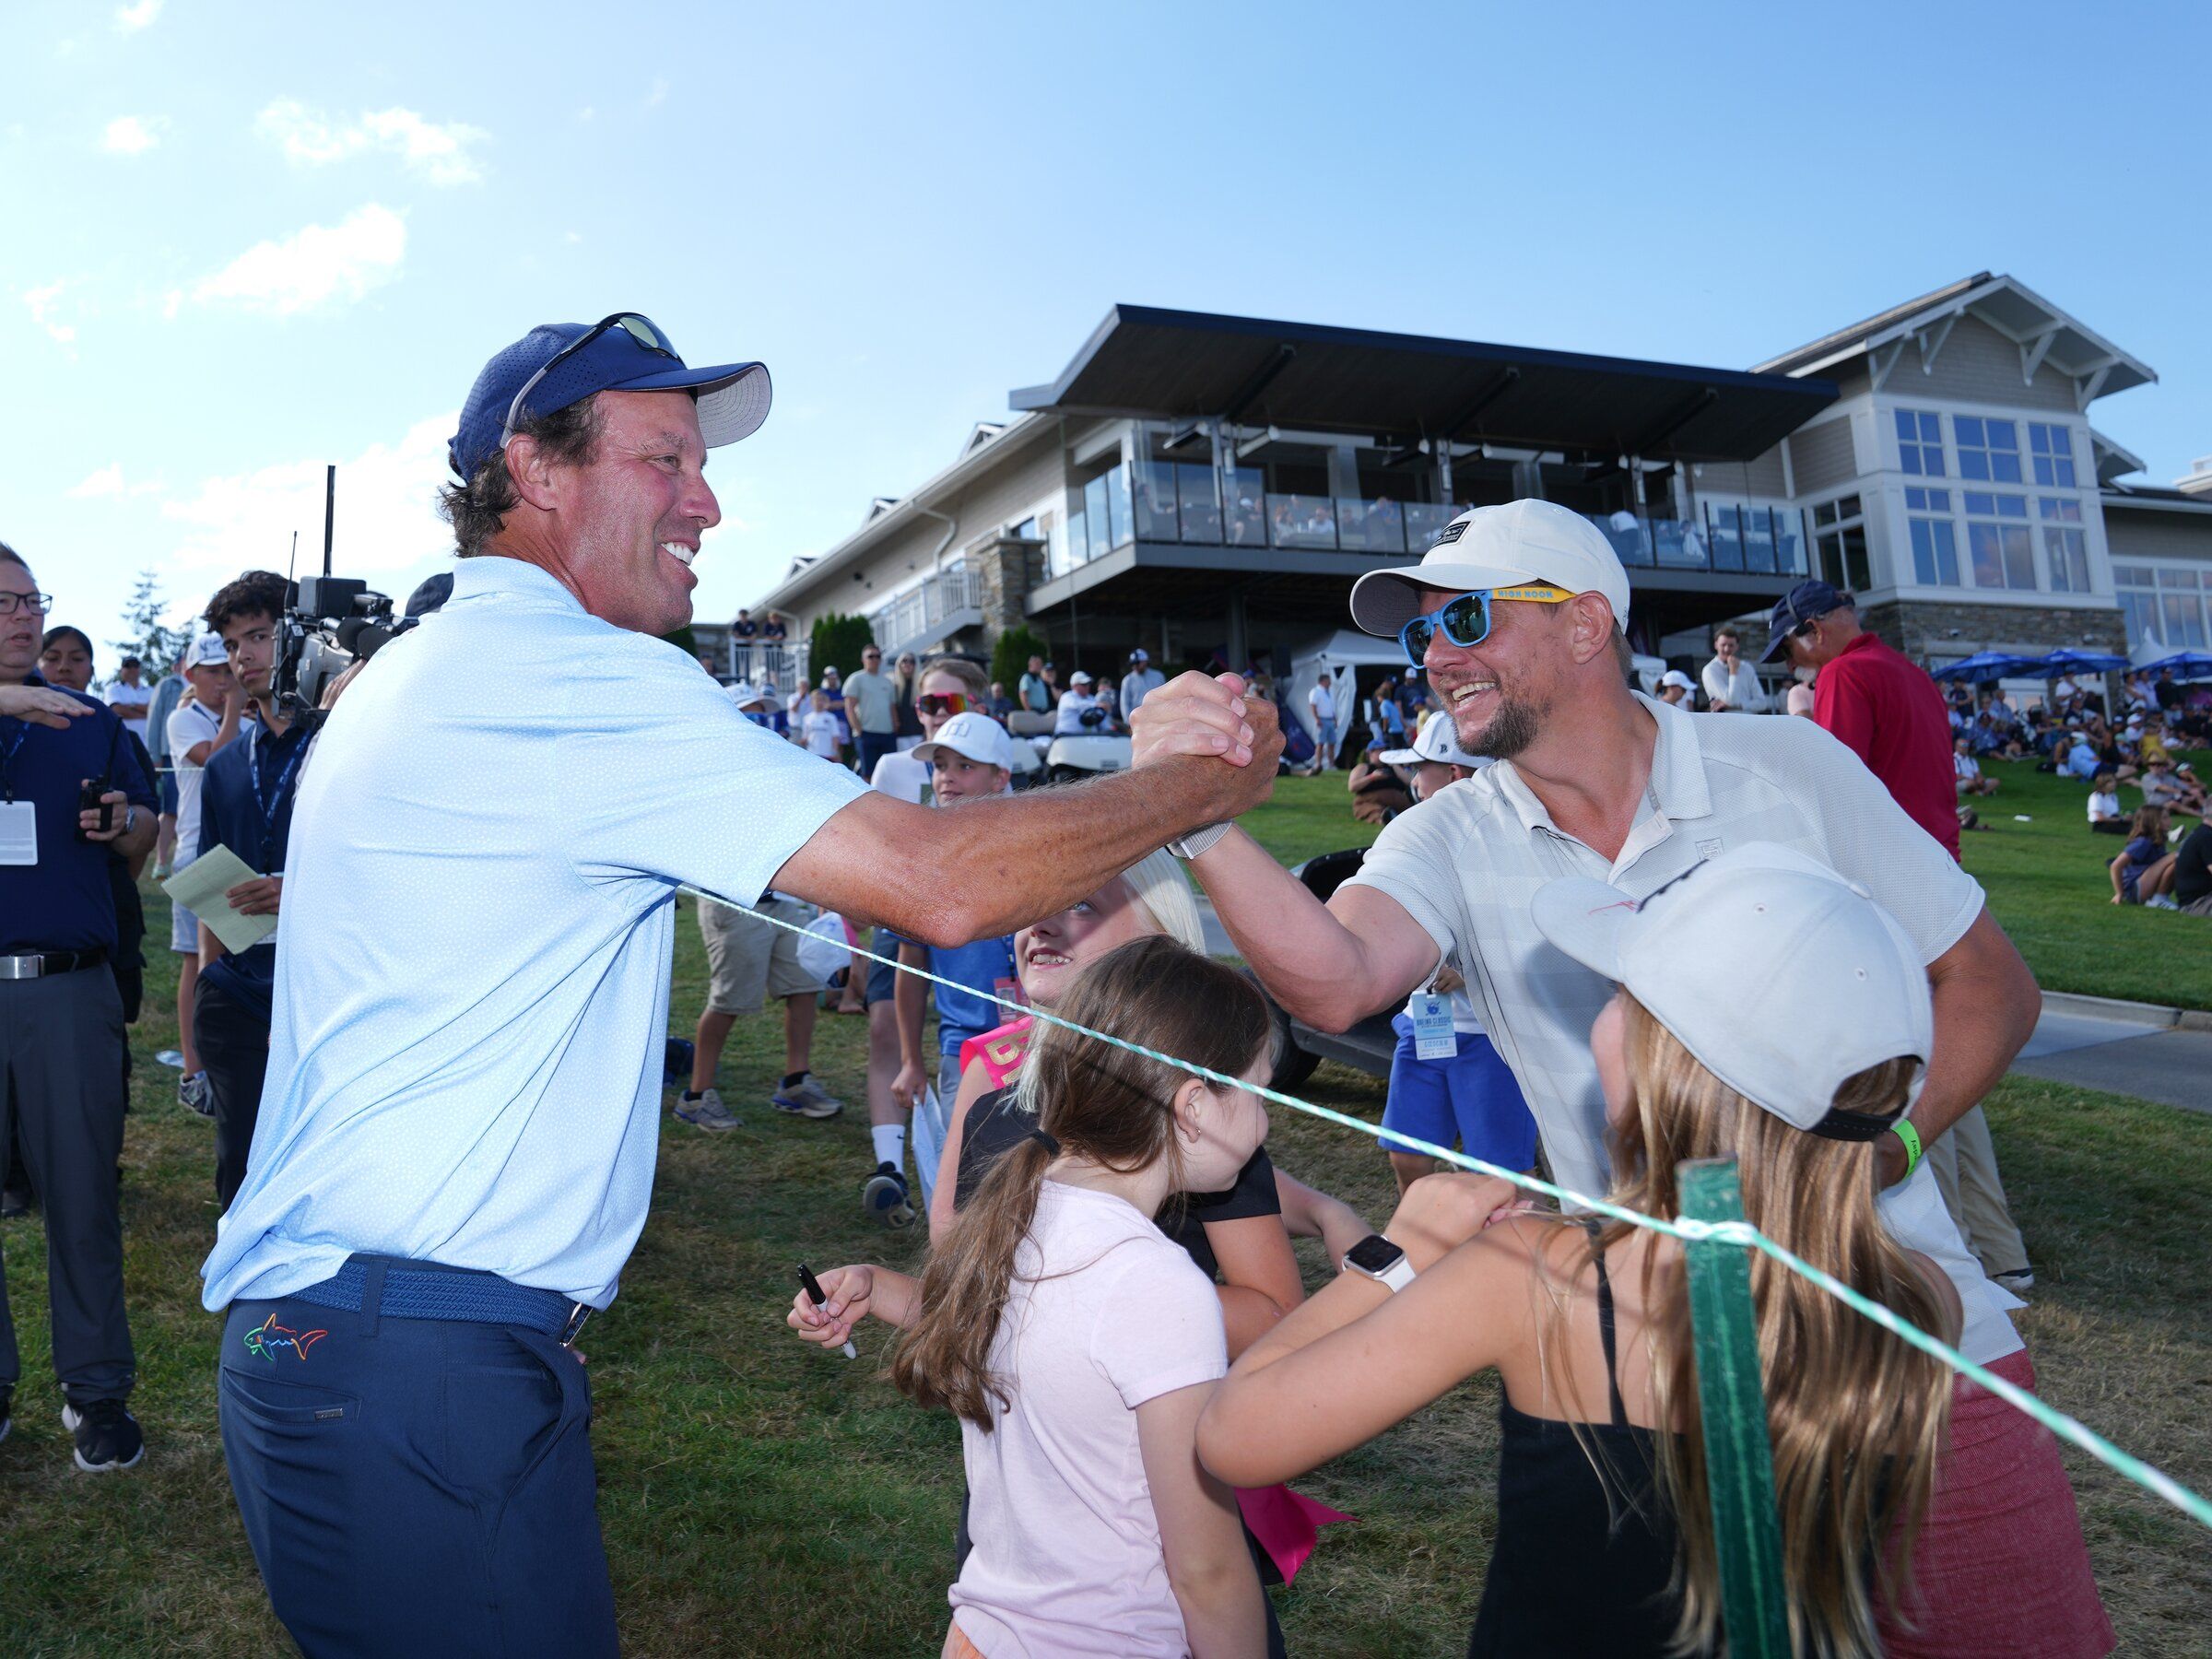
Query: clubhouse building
1209	487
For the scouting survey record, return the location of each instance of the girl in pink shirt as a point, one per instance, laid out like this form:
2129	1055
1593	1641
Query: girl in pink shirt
1077	1343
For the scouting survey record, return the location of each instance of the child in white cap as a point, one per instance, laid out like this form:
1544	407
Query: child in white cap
1605	1542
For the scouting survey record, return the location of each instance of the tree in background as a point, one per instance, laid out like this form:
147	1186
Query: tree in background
153	644
836	642
684	640
1010	656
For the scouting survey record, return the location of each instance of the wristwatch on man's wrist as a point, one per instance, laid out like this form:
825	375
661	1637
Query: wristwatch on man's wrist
1379	1259
1189	846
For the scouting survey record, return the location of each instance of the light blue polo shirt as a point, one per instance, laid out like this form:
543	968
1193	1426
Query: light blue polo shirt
472	979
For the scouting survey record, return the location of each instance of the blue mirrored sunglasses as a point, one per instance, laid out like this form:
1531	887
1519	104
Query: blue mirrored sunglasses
1465	618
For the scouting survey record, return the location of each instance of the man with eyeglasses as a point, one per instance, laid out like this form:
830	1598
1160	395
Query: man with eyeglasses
455	1149
61	1014
1516	615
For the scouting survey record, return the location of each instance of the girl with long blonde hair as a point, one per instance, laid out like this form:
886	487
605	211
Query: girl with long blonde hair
1604	1541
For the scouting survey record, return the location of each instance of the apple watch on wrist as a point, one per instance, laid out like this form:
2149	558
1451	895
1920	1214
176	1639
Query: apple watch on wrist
1189	846
1379	1259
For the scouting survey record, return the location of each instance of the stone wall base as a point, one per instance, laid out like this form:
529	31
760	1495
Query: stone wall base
1920	629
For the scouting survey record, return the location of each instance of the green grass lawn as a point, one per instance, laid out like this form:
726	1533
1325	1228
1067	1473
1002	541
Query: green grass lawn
762	1497
2045	880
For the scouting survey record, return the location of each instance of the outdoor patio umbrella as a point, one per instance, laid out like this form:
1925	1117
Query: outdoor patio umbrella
2066	659
2186	666
1983	665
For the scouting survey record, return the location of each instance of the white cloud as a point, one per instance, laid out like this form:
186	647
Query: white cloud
130	19
387	511
659	94
42	303
311	138
107	481
132	134
314	267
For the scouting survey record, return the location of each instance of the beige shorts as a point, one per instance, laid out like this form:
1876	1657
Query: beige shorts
748	961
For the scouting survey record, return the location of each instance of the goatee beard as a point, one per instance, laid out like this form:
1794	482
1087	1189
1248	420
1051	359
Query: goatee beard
1510	729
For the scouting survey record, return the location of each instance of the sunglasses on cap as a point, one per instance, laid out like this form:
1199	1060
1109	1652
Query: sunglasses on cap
1465	618
643	329
942	702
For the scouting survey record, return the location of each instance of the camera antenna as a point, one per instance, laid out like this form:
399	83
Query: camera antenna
330	510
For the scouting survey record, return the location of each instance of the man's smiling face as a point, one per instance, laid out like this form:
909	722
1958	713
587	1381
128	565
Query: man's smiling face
629	522
1497	690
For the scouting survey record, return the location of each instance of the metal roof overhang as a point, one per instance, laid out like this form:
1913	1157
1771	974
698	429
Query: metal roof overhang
1173	365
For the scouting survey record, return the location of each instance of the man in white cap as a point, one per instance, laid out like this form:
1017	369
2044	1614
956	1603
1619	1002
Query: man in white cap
1079	710
1516	614
1140	681
196	731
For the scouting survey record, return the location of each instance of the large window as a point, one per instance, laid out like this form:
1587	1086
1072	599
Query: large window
1998	538
1839	544
2050	453
2137	589
2181	608
1920	442
1935	539
1988	450
2066	548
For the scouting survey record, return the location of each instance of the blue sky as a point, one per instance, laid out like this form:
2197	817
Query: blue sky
235	244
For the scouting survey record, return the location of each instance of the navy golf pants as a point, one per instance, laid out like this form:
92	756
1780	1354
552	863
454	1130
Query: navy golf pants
414	1486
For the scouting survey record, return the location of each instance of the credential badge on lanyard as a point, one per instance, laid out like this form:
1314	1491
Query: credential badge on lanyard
1433	1037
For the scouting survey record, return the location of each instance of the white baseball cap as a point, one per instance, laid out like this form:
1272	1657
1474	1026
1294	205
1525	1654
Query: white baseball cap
744	694
1675	676
208	652
1079	679
1439	741
973	736
1512	545
1827	983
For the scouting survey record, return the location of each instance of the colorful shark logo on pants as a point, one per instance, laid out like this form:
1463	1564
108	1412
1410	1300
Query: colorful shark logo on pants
267	1337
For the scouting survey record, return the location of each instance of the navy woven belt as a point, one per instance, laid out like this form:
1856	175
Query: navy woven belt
428	1290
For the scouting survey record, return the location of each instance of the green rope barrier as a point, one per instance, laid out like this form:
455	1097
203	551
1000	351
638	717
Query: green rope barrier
1689	1230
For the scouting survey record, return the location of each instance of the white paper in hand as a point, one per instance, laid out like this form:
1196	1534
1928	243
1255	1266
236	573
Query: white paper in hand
199	887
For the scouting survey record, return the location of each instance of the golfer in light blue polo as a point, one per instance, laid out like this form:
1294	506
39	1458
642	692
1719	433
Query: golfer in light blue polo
455	1145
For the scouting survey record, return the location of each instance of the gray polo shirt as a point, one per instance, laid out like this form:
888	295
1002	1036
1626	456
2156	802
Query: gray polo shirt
868	702
1467	863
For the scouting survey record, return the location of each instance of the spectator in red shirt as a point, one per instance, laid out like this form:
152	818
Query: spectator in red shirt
1893	718
1885	709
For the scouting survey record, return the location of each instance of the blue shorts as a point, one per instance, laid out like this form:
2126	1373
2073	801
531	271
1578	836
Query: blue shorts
1471	1098
169	791
882	976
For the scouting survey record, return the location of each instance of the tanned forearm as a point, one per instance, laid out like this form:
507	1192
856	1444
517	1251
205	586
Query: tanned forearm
948	877
1986	1005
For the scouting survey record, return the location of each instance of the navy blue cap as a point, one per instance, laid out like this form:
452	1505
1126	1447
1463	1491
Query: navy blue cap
1797	608
733	397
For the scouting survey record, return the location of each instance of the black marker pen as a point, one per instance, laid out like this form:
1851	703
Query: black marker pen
814	1295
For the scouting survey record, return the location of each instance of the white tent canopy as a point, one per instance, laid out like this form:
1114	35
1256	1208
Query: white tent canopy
1339	654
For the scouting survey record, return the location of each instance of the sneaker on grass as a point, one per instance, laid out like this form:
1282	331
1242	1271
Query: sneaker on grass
706	1110
108	1436
193	1094
883	1197
806	1099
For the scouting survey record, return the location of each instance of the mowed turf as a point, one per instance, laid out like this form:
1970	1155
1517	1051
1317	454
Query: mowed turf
759	1496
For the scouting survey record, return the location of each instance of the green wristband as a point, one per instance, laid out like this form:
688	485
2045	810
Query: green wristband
1904	1132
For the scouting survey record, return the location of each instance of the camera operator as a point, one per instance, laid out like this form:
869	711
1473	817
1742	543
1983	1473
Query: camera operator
71	792
456	1143
245	804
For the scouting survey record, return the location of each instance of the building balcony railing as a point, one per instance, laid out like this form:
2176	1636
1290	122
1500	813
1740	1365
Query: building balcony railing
1174	502
782	662
908	618
1729	539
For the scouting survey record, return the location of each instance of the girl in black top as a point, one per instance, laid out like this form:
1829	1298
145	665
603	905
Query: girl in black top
1605	1542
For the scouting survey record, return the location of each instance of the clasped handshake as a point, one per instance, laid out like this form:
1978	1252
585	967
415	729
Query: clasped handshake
1208	714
